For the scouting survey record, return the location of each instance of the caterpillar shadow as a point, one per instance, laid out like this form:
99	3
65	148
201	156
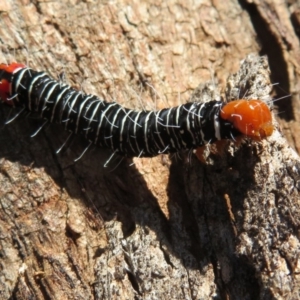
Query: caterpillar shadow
199	226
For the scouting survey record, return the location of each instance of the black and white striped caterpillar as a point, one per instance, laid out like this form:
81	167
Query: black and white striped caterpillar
129	132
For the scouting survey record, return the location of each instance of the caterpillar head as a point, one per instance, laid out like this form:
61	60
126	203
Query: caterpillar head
251	117
6	74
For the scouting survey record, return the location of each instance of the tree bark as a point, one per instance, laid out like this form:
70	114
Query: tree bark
166	227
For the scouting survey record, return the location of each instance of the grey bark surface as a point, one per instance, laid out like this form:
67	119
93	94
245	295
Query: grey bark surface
161	228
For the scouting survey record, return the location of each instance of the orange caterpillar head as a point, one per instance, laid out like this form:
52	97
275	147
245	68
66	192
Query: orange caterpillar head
251	117
6	72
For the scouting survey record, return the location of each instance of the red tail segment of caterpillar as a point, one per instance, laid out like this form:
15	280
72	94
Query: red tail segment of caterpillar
251	117
5	84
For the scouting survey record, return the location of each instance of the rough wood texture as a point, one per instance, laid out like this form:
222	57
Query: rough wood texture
278	27
163	228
